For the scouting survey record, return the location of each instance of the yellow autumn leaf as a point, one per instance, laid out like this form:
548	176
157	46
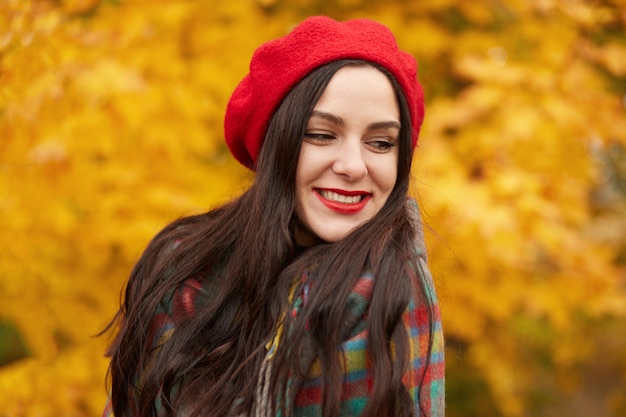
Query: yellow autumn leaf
111	126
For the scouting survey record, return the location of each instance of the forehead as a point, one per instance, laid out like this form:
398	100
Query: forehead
360	90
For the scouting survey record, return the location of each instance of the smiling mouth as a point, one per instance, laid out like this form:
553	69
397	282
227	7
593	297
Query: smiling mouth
341	198
342	201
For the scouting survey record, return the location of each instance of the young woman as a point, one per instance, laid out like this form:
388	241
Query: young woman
309	295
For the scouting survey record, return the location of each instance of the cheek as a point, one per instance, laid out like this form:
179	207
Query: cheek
392	181
311	166
387	175
301	168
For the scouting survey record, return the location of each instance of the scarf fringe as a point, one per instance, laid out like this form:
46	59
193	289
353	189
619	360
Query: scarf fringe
262	406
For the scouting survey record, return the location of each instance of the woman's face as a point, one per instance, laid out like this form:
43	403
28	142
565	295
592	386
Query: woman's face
348	162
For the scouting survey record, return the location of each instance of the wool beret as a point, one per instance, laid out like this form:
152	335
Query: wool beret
278	65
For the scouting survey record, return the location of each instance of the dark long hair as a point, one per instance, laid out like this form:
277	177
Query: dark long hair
245	257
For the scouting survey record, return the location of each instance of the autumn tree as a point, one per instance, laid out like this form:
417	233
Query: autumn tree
111	126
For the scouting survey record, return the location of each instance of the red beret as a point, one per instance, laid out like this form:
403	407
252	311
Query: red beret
278	65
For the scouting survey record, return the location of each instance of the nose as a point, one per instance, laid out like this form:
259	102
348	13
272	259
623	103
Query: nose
349	161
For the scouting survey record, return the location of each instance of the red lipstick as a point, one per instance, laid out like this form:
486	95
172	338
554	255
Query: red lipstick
344	208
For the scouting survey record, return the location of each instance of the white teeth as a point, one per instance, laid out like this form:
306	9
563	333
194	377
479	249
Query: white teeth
344	199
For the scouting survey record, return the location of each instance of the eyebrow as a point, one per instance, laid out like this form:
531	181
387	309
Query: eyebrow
390	124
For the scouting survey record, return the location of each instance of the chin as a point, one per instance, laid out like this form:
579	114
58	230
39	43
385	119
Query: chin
332	236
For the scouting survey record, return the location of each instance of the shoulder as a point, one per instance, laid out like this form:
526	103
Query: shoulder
180	231
160	279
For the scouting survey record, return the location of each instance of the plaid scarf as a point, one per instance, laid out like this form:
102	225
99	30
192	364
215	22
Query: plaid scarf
306	394
357	379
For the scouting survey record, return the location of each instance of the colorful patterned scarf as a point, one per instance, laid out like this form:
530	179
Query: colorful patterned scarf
357	375
357	378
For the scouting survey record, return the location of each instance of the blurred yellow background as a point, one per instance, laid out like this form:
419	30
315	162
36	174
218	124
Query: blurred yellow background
111	126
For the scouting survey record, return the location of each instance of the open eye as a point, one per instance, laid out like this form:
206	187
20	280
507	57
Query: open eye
381	145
